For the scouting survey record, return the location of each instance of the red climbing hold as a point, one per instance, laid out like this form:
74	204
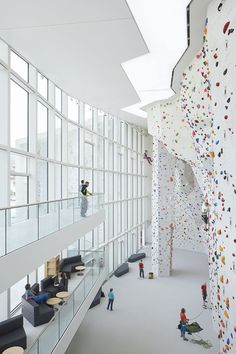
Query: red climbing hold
226	26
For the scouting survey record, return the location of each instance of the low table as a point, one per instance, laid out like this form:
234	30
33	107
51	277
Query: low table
80	269
53	301
63	294
13	350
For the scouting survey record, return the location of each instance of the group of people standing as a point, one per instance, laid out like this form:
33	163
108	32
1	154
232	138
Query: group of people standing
84	201
183	318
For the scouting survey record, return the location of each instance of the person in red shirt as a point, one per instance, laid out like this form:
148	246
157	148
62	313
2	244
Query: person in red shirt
204	294
141	269
183	321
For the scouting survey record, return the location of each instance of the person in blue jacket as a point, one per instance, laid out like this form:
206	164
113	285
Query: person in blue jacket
110	299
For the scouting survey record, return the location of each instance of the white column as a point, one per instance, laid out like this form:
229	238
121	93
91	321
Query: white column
162	209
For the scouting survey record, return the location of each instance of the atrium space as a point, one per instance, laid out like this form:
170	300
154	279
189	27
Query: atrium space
118	177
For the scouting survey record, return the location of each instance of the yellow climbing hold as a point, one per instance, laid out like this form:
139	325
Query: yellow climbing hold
223	259
226	314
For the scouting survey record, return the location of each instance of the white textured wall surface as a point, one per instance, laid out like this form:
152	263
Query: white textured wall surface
208	105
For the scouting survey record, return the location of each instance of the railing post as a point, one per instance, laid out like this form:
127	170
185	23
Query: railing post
59	215
38	220
5	231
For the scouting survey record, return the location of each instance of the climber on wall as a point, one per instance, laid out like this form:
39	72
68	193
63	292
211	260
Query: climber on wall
204	295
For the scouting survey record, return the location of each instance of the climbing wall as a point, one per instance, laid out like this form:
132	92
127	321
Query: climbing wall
196	105
189	233
221	56
176	211
171	129
162	208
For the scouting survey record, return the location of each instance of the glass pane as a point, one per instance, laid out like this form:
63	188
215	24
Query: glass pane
48	218
73	147
43	85
88	155
42	181
88	281
16	292
100	122
19	196
73	249
42	130
58	101
66	315
79	296
50	337
19	117
18	163
57	181
34	349
66	213
73	109
2	232
110	248
22	227
100	153
88	116
73	187
58	138
40	273
20	66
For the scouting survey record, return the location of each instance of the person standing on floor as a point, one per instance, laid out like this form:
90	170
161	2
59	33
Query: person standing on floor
110	300
84	200
183	323
141	269
204	294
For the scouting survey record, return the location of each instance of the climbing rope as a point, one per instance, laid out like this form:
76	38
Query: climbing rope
194	318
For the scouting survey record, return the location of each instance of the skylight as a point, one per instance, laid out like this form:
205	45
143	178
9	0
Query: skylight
163	25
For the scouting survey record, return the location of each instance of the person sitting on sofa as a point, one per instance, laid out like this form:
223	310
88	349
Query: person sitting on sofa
61	281
29	294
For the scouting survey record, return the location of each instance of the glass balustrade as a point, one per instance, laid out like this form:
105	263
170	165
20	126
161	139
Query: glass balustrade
65	313
22	225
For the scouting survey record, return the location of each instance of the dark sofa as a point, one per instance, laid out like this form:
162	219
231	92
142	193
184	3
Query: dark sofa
47	286
121	270
36	314
12	333
67	265
136	257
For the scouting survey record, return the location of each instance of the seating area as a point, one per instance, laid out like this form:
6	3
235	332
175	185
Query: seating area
12	333
47	286
36	314
68	265
121	270
136	257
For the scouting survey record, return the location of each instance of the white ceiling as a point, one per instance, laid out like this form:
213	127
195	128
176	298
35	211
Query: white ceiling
95	51
80	45
163	25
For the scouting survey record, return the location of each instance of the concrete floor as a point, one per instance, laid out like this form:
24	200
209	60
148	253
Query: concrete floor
146	312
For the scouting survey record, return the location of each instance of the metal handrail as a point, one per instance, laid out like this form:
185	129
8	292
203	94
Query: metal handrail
59	311
48	201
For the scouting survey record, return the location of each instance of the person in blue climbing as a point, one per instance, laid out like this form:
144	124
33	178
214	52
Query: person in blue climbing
183	322
110	300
